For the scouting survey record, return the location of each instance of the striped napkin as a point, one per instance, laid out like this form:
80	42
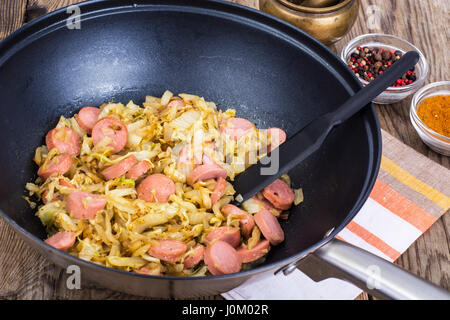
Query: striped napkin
410	194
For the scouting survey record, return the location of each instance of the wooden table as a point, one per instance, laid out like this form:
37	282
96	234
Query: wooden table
24	274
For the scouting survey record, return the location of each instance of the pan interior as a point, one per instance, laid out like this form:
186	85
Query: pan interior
266	77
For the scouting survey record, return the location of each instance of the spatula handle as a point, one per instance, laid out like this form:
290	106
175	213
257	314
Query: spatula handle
310	138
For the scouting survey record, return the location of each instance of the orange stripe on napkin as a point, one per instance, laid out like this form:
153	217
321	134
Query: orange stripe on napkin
373	240
402	207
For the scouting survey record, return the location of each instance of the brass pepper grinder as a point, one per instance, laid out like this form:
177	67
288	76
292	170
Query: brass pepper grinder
316	3
326	20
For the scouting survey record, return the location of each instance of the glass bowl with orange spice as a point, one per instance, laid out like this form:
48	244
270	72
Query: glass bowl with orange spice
430	115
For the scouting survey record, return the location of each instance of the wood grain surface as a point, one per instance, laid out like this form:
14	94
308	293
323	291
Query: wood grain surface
24	274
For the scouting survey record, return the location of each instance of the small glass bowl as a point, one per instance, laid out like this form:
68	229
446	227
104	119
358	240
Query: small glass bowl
434	140
390	42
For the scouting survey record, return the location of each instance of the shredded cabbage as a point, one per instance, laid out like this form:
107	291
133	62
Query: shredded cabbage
123	233
298	196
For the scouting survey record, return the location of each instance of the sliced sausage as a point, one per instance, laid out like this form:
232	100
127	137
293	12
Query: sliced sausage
63	183
146	270
246	221
156	188
120	168
87	117
138	170
247	224
269	226
184	156
257	252
185	163
176	103
112	128
208	161
279	194
189	157
84	205
59	164
222	258
236	128
228	234
207	170
168	250
195	258
277	137
235	211
218	190
65	140
55	197
62	240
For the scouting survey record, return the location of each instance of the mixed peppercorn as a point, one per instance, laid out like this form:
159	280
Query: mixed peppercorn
368	63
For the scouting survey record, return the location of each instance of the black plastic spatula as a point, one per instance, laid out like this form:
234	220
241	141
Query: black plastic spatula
310	138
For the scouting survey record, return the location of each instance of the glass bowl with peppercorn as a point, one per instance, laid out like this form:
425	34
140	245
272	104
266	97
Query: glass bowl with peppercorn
369	55
430	115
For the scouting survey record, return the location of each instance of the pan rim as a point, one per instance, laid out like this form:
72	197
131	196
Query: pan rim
23	34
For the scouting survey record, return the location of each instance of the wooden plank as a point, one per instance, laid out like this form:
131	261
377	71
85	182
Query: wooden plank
24	274
11	16
51	5
429	256
364	296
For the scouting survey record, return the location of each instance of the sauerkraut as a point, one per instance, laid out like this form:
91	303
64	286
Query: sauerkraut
121	234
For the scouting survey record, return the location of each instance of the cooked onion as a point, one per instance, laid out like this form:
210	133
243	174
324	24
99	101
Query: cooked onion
121	234
298	196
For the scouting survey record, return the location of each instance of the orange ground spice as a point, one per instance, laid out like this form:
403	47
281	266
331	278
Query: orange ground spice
435	113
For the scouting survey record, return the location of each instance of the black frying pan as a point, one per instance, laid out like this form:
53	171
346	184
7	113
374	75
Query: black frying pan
271	72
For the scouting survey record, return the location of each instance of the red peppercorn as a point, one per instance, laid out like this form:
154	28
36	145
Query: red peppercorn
368	63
